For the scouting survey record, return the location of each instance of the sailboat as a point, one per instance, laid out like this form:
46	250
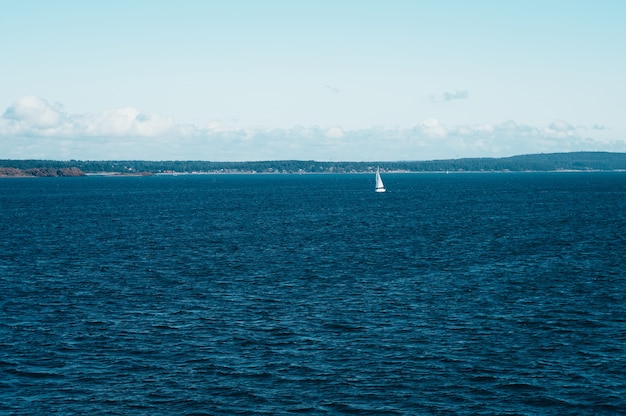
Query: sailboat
380	187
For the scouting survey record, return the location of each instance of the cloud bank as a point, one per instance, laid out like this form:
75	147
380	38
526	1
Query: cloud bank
33	128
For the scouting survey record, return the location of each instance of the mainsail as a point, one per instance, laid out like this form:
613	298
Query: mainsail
380	187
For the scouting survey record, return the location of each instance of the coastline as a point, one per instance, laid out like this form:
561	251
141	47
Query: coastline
553	162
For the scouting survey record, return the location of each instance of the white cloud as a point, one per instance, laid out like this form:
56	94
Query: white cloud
432	128
335	132
126	122
35	113
33	128
560	125
34	117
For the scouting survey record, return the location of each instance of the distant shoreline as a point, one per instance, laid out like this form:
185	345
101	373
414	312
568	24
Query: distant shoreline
549	162
465	172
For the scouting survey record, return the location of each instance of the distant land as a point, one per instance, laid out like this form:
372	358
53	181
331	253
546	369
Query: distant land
544	162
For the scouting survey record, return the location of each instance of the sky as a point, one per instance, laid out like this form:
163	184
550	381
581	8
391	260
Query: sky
331	80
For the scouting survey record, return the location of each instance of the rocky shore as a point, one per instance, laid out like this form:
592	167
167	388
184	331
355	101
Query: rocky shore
40	172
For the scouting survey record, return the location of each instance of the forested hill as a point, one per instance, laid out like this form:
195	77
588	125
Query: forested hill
577	161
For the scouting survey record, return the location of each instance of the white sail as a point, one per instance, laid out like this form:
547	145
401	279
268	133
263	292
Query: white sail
380	187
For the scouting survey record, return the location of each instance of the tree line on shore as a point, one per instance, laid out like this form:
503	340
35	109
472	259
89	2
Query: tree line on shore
577	161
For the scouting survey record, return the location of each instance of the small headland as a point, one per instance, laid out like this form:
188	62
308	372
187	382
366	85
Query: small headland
39	172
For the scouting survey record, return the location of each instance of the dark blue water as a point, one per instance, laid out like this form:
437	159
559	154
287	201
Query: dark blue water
280	294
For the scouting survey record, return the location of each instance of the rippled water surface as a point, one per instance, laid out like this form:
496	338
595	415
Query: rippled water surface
311	294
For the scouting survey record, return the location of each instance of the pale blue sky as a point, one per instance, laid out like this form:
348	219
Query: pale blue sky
326	80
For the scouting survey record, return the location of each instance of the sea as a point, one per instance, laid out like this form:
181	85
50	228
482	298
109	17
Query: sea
279	294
